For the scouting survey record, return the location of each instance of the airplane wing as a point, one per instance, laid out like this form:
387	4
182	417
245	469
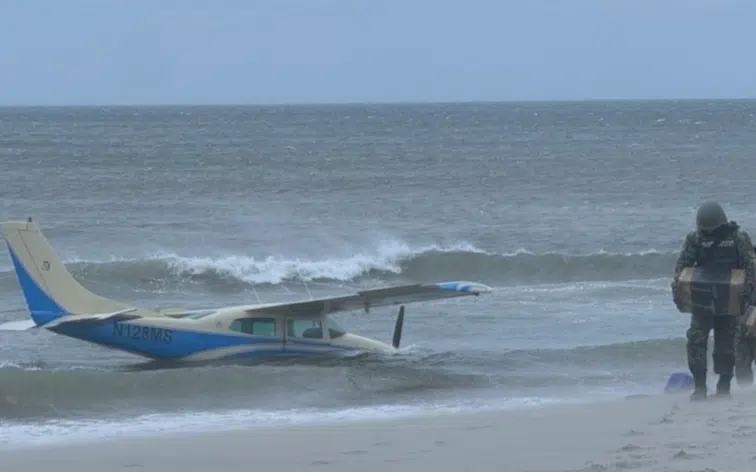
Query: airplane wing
362	300
366	299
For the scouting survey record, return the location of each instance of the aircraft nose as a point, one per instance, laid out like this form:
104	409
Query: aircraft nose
464	286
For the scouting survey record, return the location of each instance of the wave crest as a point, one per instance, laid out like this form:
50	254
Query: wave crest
389	262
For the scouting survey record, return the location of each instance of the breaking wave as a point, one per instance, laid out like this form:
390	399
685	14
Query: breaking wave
390	262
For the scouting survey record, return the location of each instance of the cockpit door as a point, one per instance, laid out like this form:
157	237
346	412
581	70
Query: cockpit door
264	330
304	335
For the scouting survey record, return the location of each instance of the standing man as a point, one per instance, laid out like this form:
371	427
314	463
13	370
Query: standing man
719	244
745	354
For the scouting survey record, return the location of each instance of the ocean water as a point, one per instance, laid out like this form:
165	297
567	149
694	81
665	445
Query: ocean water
573	212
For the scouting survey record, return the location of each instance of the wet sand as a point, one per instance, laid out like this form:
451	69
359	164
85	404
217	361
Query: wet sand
662	432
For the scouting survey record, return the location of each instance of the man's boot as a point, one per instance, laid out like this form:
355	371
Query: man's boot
744	375
699	386
723	386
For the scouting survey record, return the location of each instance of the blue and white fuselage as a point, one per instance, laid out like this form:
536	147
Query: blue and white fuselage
59	303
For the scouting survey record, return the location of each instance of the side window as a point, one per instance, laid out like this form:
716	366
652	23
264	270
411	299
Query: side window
309	329
255	326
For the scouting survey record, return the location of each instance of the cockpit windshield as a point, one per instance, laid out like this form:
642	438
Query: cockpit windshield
334	329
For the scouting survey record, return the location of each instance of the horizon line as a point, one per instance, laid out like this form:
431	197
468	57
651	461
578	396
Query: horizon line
376	103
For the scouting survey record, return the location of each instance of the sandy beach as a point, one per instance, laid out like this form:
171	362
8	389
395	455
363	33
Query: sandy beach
664	433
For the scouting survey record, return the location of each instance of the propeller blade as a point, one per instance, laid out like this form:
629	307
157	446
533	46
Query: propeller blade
398	328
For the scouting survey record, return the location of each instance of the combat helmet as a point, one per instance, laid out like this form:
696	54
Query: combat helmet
710	216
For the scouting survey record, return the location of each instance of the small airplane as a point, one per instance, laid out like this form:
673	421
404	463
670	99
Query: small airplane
58	302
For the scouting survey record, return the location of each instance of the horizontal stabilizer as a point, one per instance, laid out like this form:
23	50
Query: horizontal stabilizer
122	315
21	325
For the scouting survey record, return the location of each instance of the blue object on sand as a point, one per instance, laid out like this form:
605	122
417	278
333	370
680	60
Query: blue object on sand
679	382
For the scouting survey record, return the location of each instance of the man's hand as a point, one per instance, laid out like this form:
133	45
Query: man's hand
676	297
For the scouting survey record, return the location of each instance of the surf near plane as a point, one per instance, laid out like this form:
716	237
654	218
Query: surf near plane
58	302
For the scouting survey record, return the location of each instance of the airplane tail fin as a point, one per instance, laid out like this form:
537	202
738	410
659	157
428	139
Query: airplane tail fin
49	289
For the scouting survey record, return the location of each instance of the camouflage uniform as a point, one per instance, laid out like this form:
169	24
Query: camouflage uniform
727	329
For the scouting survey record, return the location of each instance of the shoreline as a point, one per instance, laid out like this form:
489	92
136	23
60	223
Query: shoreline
70	431
659	432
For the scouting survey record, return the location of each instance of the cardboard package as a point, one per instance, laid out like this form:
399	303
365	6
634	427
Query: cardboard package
714	291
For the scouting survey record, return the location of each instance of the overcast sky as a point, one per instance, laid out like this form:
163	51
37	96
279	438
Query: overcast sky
294	51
